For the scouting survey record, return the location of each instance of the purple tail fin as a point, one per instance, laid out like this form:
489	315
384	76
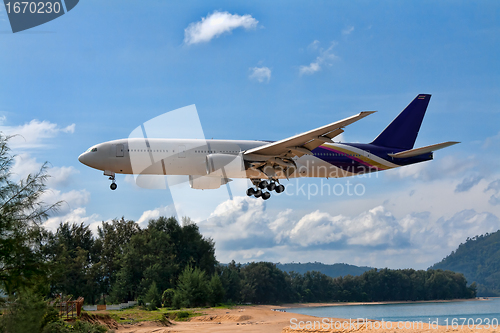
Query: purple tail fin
403	130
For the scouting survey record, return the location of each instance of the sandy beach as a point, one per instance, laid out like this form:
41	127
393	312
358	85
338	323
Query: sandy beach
263	319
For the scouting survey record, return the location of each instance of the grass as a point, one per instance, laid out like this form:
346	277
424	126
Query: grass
138	314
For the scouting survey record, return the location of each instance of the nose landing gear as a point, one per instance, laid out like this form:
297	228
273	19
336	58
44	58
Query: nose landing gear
111	175
261	185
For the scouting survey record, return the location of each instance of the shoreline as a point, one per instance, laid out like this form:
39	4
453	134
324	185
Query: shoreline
264	318
319	305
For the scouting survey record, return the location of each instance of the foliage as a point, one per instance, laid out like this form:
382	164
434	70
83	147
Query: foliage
192	290
24	313
153	297
264	283
21	213
216	291
479	260
167	297
78	327
334	270
160	253
74	261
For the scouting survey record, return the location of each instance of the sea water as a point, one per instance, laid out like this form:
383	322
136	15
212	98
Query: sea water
475	312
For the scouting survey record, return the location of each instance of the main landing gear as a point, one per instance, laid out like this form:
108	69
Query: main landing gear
260	188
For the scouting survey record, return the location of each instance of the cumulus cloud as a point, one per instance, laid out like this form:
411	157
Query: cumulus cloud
77	215
154	214
467	183
216	24
325	58
260	74
495	188
34	133
446	166
244	230
25	164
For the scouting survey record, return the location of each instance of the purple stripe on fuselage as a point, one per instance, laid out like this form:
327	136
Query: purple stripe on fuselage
351	157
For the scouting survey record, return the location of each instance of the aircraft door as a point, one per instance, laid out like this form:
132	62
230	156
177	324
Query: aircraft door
181	152
119	150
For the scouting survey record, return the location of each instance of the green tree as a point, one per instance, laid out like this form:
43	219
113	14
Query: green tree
192	290
74	262
21	214
153	297
231	281
112	240
159	254
264	283
26	312
216	290
168	297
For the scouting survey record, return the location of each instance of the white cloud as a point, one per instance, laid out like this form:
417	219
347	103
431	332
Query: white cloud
325	58
216	24
77	215
467	183
154	214
494	187
24	165
348	30
314	45
61	176
260	74
33	134
401	232
446	166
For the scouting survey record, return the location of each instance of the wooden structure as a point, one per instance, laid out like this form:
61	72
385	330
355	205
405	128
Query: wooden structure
69	309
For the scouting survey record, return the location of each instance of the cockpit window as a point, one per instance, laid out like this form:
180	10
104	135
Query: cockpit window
94	149
91	150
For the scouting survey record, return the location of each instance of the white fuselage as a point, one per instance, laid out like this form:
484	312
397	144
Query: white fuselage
192	157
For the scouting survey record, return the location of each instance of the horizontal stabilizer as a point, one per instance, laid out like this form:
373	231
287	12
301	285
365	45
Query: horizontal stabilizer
423	150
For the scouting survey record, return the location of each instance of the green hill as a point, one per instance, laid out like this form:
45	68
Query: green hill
333	271
479	260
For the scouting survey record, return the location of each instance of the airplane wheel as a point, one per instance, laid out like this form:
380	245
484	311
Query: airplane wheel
280	188
266	195
113	186
257	193
271	186
250	192
263	184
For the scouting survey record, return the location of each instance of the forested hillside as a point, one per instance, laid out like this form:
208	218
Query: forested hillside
334	270
479	260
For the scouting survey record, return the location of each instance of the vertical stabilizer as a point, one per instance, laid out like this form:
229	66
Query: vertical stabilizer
403	130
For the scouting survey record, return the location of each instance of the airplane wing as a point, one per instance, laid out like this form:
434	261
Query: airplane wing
302	144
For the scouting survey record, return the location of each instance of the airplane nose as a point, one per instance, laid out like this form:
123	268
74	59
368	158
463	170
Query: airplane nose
81	158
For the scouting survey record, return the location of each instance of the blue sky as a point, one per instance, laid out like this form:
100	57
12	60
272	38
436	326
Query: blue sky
281	68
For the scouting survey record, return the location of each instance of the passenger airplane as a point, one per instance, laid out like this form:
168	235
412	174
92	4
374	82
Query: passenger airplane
212	163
